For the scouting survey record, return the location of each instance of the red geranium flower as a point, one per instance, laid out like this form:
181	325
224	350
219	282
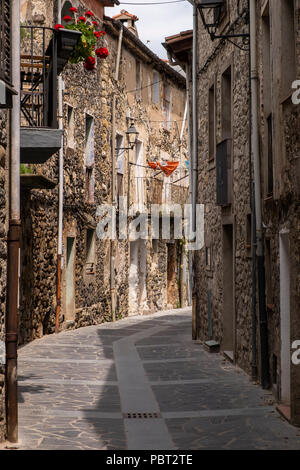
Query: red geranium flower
58	27
103	33
95	23
81	18
73	10
102	52
89	13
90	63
97	34
67	18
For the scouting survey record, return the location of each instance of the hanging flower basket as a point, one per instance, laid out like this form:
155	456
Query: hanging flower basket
84	51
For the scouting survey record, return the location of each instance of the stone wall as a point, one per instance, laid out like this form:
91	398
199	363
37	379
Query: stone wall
90	93
211	277
3	257
281	209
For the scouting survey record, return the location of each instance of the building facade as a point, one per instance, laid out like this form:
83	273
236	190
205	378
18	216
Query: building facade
230	302
103	279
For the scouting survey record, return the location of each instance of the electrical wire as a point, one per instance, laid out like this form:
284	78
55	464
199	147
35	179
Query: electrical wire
152	3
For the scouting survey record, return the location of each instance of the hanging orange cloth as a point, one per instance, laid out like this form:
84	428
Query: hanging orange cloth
168	167
153	165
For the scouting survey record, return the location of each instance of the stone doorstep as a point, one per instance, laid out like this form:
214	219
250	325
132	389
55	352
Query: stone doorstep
6	445
212	346
229	355
284	411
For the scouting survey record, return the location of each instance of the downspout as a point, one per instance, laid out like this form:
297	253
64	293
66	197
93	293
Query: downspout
253	238
195	158
113	186
60	194
190	175
258	212
13	241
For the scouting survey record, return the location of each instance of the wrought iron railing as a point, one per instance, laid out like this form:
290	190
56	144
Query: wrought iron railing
38	77
5	41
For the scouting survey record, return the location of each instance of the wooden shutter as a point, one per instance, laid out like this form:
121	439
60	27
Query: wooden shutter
223	167
5	41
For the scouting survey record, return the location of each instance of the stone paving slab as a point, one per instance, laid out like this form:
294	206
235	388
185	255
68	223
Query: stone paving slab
77	388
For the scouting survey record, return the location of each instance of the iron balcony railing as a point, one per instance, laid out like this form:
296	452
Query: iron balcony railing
38	77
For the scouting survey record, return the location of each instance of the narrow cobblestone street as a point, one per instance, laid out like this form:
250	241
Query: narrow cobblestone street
85	389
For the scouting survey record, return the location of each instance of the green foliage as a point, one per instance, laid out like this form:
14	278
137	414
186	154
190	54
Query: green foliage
86	44
25	169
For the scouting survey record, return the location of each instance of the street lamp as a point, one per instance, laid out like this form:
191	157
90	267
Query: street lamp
211	27
217	7
132	135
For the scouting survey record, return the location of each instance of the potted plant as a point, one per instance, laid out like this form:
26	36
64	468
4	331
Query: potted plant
82	40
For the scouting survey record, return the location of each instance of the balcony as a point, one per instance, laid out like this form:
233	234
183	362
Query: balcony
44	54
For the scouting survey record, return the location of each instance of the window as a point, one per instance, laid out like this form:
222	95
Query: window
138	80
5	41
266	56
270	181
70	128
248	235
288	46
226	104
166	105
155	87
211	123
89	158
90	251
208	257
120	165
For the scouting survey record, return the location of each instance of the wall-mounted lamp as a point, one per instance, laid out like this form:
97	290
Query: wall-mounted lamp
212	25
132	135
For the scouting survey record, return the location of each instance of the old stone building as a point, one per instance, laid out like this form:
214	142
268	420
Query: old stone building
104	279
253	316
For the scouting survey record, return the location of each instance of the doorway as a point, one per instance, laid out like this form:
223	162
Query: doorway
70	279
284	250
137	278
228	295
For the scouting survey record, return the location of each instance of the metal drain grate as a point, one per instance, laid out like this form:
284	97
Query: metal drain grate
141	415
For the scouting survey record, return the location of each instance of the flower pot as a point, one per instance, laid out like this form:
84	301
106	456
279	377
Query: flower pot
67	41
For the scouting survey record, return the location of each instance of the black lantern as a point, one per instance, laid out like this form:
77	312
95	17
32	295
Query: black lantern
212	25
132	135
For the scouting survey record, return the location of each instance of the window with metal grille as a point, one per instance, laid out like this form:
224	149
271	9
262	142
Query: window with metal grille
5	41
224	175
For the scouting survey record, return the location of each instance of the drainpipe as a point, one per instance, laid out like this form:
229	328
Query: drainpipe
60	194
113	186
190	175
257	189
195	157
13	240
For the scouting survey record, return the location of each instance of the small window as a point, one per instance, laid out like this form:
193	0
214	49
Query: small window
89	185
90	265
89	140
166	106
89	158
249	235
70	128
155	87
138	79
270	181
226	104
211	123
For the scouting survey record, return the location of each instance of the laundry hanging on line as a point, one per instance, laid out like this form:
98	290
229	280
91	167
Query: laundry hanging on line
166	167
